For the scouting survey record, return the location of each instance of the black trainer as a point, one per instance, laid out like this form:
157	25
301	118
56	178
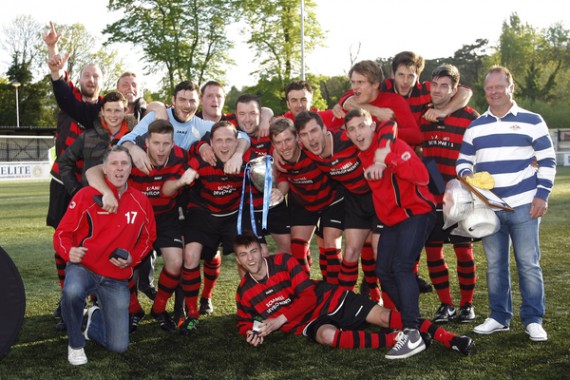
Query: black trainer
423	285
466	313
426	337
57	311
463	344
189	326
60	325
206	306
445	313
134	320
164	321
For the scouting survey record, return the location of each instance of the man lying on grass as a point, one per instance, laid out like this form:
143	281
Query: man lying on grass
277	294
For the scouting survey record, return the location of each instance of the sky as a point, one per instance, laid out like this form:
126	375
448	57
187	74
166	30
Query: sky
380	28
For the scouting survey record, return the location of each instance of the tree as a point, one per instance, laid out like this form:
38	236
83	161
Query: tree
187	37
333	88
84	48
528	54
470	60
21	38
275	34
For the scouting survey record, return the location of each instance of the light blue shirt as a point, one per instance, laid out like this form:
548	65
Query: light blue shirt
185	134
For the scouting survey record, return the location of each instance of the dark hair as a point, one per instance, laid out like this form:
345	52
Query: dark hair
297	85
117	148
210	83
370	69
447	70
245	239
114	96
356	112
248	98
281	124
160	127
222	124
408	58
186	86
304	117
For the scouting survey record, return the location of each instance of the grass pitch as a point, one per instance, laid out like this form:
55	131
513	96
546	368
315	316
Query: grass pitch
216	351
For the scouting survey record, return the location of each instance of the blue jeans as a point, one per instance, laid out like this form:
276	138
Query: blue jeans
398	249
110	325
523	232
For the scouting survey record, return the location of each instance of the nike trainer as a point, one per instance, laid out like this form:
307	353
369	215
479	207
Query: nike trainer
409	343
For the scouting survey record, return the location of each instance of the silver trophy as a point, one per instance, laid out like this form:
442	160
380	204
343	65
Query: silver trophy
258	171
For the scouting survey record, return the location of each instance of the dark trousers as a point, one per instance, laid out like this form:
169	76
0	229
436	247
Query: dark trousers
398	248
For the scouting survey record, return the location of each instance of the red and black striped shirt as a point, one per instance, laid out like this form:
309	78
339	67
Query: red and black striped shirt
214	190
151	184
308	185
442	141
419	98
288	291
343	166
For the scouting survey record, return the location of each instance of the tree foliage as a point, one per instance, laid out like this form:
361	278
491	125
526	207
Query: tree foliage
84	48
184	37
274	30
20	40
534	57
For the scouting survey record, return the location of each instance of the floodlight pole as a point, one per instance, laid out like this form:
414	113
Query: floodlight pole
17	84
302	39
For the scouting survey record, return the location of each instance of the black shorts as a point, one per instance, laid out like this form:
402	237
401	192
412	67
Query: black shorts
202	227
277	219
438	234
58	201
168	231
350	315
331	216
360	212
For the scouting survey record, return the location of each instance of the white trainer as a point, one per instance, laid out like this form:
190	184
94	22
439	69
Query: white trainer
536	332
76	356
490	326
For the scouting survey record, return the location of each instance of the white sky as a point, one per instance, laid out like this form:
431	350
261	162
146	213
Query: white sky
383	28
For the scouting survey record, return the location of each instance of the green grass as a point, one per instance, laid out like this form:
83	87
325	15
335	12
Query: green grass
218	352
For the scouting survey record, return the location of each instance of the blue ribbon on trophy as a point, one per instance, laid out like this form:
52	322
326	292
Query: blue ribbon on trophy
258	172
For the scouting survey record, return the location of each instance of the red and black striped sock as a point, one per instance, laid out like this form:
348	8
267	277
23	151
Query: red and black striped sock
167	283
211	274
438	271
60	268
395	320
300	251
190	281
439	334
333	262
348	274
323	262
466	273
387	301
134	305
362	339
368	263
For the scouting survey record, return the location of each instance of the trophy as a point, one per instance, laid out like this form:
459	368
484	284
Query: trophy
259	173
258	168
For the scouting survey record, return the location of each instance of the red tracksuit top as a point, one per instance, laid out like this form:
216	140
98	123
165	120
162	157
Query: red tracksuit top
85	224
403	189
